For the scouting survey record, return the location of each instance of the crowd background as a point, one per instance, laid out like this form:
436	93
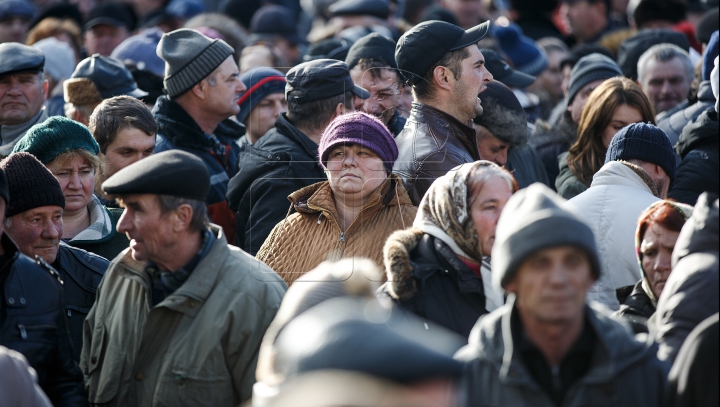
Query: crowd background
359	202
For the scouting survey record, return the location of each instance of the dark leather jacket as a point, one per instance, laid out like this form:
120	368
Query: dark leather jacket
81	271
431	144
32	322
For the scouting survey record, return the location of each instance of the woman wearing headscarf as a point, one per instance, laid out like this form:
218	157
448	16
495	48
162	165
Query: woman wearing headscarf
353	212
657	231
440	268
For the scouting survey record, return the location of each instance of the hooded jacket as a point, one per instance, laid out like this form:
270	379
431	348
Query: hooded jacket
198	347
283	161
624	372
178	130
32	322
313	234
674	124
619	193
691	292
431	144
698	150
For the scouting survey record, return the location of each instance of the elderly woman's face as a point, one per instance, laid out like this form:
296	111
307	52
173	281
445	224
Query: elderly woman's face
656	248
77	180
354	169
485	210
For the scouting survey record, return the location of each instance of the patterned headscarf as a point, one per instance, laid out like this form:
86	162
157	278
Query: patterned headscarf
444	211
684	210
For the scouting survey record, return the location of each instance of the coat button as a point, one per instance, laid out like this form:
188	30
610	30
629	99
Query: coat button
22	300
11	300
191	304
139	377
93	360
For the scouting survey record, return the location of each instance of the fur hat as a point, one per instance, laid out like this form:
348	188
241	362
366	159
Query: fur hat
503	115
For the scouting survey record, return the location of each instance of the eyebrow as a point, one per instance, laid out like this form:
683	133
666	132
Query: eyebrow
480	62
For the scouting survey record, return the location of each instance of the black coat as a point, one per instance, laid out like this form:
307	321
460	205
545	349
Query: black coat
550	142
32	322
698	169
425	277
81	271
636	307
283	161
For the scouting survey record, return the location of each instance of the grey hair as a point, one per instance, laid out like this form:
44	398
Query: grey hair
199	221
664	53
71	108
483	172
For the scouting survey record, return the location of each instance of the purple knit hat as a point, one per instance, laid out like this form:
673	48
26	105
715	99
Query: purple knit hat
363	129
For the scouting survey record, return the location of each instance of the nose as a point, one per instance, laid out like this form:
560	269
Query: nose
488	76
51	231
349	159
369	105
124	224
666	88
501	158
74	181
240	86
663	263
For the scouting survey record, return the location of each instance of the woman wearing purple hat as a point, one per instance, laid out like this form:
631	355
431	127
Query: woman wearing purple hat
353	212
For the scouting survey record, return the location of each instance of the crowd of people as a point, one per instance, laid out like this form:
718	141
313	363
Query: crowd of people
395	203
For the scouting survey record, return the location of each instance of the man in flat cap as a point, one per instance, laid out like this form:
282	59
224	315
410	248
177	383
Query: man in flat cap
447	71
95	79
546	344
180	315
23	91
15	17
285	159
203	88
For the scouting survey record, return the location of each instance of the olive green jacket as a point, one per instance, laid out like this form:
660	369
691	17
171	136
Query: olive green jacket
567	184
198	347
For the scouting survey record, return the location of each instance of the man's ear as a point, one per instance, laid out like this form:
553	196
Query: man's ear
198	89
183	217
80	117
442	77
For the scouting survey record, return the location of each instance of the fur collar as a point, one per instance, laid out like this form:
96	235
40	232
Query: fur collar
643	176
396	253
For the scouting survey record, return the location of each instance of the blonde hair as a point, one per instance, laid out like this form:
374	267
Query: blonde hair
69	155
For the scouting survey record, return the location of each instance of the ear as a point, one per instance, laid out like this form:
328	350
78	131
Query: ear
46	87
80	117
183	217
340	110
199	89
442	77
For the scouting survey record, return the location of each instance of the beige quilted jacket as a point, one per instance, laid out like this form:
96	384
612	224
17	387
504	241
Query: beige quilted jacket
313	234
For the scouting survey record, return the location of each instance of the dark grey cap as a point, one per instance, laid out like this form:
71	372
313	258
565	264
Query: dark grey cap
535	219
16	58
174	172
320	79
374	46
588	69
109	75
374	8
425	44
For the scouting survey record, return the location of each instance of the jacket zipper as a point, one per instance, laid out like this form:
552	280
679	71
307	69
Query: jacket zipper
342	236
23	332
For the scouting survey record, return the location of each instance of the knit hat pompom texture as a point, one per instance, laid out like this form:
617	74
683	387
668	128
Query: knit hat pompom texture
645	142
534	219
363	129
54	136
30	184
189	57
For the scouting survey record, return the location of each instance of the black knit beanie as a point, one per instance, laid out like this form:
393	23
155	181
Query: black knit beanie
30	184
645	142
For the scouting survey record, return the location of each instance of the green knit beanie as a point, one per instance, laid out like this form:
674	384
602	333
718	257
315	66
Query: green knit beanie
54	136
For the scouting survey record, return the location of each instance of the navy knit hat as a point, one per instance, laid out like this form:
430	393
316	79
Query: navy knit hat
363	129
591	68
54	136
645	142
522	51
260	83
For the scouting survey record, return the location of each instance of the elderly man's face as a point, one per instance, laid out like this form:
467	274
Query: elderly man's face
21	97
223	90
150	231
102	39
384	88
490	147
37	231
551	285
665	83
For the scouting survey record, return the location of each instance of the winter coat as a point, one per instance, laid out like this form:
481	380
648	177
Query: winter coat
101	237
397	123
431	144
426	278
619	193
198	347
698	150
526	167
312	235
636	307
551	141
283	161
691	292
32	322
178	130
81	271
624	372
567	184
673	124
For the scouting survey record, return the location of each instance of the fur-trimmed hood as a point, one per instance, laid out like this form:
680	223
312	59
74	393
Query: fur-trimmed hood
396	256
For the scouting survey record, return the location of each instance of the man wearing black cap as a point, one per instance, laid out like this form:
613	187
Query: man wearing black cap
546	346
32	293
95	79
275	26
203	88
108	25
372	65
22	92
285	159
180	316
447	73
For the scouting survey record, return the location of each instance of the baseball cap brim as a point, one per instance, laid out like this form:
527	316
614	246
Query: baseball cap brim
103	20
517	79
137	93
471	36
360	92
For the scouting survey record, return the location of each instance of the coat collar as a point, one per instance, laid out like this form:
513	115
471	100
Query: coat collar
436	118
625	174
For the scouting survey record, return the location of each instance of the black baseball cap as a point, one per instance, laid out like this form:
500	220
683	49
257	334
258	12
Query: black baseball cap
502	72
320	79
425	44
112	14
